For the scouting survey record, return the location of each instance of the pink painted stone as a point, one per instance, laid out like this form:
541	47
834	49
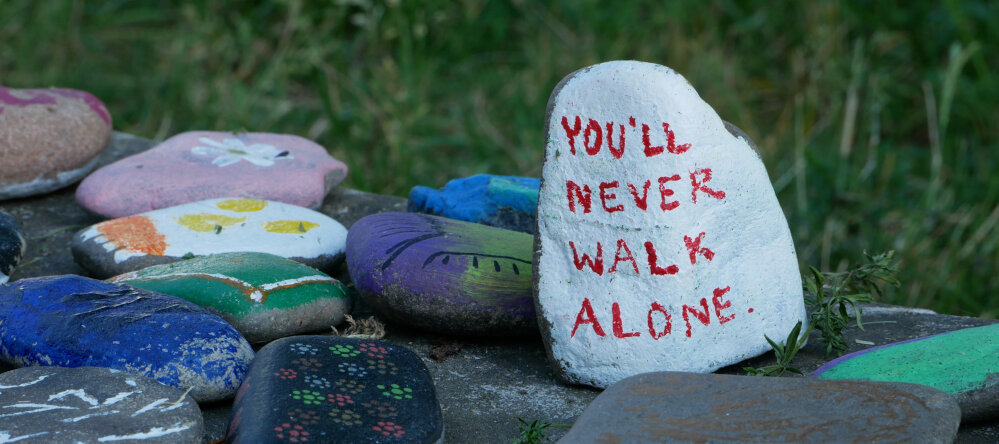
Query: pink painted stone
49	138
203	165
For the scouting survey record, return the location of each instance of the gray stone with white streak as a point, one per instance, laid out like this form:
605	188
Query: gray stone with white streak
95	405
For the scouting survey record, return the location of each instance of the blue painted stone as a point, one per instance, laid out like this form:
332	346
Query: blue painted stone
11	245
328	389
501	201
73	321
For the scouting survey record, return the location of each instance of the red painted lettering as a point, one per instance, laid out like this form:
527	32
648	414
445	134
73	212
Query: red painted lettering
671	141
622	245
694	248
671	145
643	202
597	265
605	196
631	121
719	306
618	328
590	319
649	149
666	192
654	268
593	126
657	307
699	185
617	153
703	316
571	133
581	194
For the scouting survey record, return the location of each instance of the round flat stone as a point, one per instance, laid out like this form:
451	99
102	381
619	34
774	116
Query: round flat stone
73	321
49	138
443	275
661	244
203	165
210	227
92	404
264	296
336	390
500	201
962	363
667	407
12	245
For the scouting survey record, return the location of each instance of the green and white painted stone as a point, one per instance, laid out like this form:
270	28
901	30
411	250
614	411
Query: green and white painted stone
264	296
962	363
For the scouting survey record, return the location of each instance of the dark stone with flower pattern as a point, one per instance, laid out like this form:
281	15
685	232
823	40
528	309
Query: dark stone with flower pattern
11	245
93	404
336	390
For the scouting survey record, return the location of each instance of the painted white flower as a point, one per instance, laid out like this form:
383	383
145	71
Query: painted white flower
231	151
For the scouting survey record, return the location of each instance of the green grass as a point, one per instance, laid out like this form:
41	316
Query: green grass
878	124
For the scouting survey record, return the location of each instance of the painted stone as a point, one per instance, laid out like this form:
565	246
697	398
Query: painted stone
210	227
49	138
962	363
12	245
264	296
660	244
443	275
203	165
688	407
93	404
73	321
500	201
336	390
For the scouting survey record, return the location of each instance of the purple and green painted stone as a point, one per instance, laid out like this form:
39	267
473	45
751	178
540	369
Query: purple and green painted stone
336	390
73	321
501	201
444	275
264	296
962	363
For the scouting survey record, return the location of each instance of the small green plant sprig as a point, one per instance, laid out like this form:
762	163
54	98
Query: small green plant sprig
534	432
832	294
784	351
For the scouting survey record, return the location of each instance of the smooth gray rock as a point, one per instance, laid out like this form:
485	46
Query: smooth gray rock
92	404
690	407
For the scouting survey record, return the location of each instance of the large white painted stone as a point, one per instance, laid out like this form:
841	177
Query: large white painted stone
687	223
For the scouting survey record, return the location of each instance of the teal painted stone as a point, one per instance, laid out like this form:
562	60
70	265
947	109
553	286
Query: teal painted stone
264	296
962	363
73	321
327	389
